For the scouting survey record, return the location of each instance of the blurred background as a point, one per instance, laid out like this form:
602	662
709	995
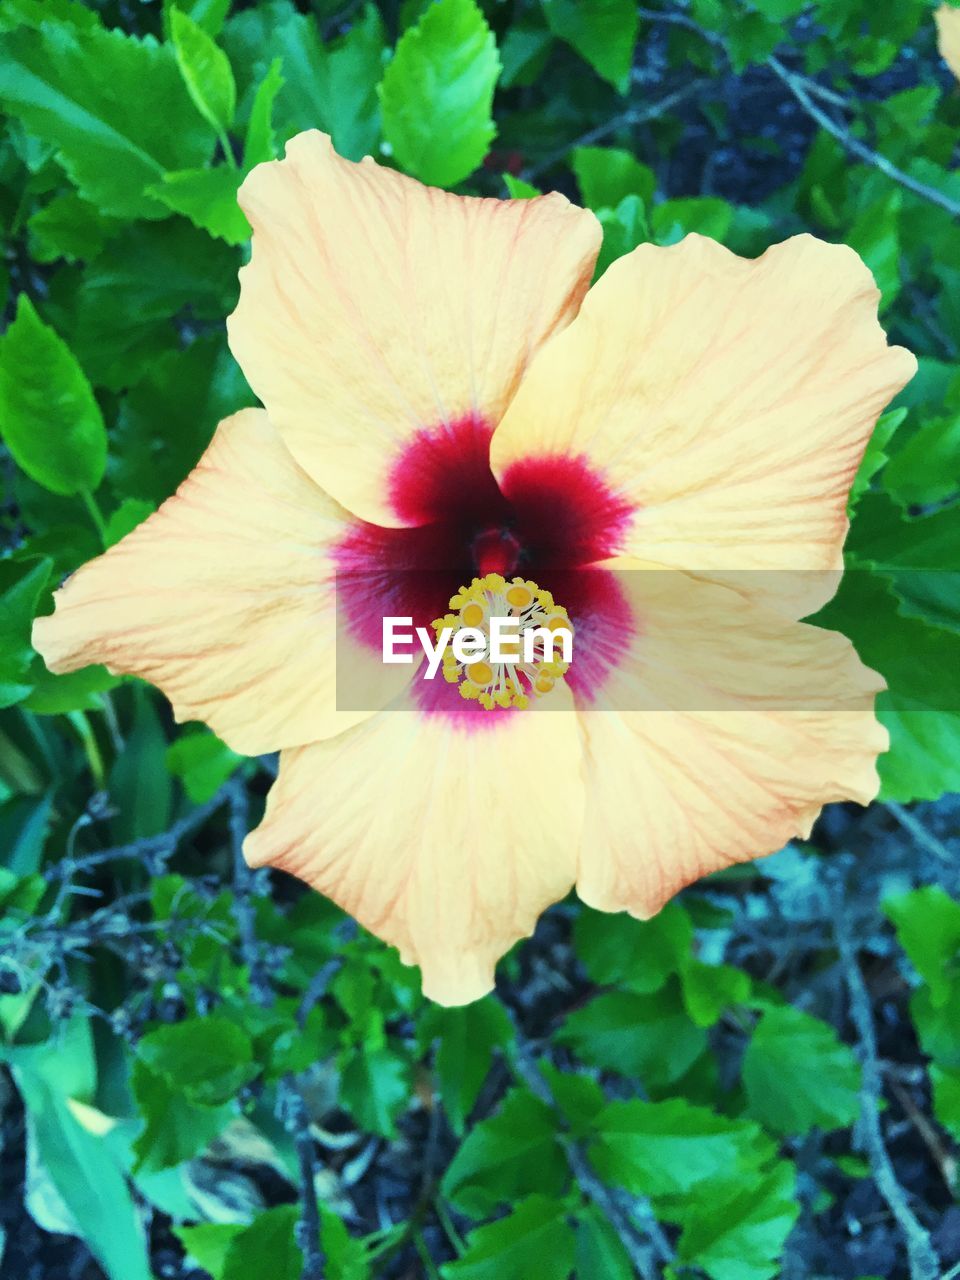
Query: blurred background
208	1072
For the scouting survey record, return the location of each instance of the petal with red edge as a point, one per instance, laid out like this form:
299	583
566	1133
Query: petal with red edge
224	599
727	401
375	308
446	837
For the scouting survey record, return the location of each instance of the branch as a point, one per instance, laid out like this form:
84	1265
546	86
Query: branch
161	846
243	890
798	86
923	1260
297	1123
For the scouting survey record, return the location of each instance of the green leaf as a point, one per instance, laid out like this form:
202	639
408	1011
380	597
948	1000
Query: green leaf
209	14
606	175
623	229
946	1098
49	418
207	1059
209	1243
875	456
504	1157
375	1087
603	32
741	1236
124	317
113	106
927	922
436	95
919	663
168	419
138	780
87	1177
535	1240
876	237
709	989
798	1075
517	189
21	586
670	1148
69	227
131	513
600	1253
706	215
267	1247
647	1037
925	469
208	197
261	142
635	955
202	762
206	71
468	1037
331	87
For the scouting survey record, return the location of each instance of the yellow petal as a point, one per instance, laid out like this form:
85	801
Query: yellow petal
374	308
719	737
728	400
444	837
224	598
947	19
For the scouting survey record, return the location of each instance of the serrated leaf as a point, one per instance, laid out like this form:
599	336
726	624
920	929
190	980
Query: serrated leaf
206	1058
741	1235
49	417
114	107
669	1148
436	95
649	1037
534	1240
798	1075
375	1085
206	71
208	197
603	32
875	456
506	1156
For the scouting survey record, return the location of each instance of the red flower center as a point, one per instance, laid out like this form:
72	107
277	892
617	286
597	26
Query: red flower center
550	519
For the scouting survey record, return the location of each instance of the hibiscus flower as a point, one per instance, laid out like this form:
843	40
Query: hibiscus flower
449	415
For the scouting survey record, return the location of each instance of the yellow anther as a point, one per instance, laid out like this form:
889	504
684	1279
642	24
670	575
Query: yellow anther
507	673
480	673
519	595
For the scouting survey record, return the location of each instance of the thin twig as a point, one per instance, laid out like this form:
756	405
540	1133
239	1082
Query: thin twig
626	120
162	845
308	1228
920	1252
800	91
243	890
915	828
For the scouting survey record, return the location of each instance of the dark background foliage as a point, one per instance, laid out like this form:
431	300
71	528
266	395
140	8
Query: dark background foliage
212	1072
